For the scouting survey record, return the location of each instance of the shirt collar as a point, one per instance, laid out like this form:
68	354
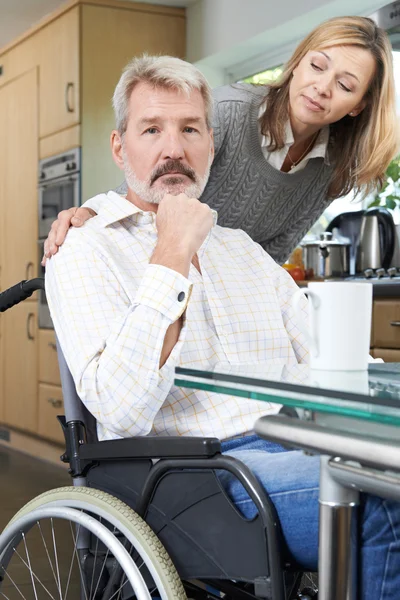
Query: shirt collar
118	208
319	149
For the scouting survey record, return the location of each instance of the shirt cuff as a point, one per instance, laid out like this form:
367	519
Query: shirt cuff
164	290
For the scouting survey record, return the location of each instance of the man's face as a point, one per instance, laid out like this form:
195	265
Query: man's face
167	147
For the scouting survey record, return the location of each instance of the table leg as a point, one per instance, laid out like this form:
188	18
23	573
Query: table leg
337	556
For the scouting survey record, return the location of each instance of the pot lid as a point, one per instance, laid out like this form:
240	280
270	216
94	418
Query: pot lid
325	240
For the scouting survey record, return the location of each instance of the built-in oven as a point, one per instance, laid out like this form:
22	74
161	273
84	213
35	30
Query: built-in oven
59	186
59	189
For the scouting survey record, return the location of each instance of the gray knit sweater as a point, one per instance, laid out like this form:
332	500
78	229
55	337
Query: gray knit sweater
276	209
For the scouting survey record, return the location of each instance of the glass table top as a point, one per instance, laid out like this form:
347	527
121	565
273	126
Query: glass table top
373	395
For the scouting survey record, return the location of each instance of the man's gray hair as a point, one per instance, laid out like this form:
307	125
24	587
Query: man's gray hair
160	71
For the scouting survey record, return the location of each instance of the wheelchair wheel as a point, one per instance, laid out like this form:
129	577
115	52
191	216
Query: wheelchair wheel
83	543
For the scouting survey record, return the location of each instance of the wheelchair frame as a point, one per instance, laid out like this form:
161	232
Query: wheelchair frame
171	483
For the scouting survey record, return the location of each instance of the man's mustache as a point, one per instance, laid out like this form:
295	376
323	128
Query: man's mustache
173	167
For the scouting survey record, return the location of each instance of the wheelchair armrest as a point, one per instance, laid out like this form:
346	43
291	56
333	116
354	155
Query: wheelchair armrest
151	447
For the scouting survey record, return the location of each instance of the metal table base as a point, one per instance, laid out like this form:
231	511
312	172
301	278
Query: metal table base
349	463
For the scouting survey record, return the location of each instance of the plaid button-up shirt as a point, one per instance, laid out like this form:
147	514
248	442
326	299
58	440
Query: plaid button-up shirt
111	310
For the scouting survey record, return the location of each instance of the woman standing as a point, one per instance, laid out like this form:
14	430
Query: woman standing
284	152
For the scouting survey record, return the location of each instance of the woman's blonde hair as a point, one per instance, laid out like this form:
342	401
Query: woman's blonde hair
361	147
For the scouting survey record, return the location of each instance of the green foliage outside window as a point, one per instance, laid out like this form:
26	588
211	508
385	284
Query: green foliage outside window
265	77
389	195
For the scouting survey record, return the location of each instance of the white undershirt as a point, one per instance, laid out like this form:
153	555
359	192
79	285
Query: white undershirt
277	158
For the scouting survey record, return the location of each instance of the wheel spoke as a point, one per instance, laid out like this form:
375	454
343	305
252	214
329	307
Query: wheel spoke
29	565
33	574
94	563
53	533
15	585
118	591
48	557
70	566
75	551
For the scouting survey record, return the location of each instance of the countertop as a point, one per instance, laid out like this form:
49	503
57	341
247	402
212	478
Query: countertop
385	287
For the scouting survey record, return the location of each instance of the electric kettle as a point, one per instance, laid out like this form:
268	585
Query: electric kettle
376	240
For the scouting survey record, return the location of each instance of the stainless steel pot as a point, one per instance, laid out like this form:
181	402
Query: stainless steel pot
327	257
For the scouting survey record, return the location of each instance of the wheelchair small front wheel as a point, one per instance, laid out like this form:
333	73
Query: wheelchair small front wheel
81	542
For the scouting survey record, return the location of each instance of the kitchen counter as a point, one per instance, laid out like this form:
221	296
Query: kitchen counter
385	287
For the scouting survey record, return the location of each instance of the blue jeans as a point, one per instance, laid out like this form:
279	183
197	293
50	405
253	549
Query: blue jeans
292	481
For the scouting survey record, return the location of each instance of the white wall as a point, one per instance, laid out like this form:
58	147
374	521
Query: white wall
226	37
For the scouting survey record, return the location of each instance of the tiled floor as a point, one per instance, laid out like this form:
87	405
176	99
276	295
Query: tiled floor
22	478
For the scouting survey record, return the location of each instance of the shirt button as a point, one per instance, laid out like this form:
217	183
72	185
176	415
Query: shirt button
181	296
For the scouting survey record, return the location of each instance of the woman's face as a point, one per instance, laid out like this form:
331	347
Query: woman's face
328	84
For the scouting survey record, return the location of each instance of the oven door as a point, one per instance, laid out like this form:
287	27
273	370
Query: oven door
54	196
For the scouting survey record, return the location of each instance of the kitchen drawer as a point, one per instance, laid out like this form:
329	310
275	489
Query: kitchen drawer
387	354
386	324
48	363
51	405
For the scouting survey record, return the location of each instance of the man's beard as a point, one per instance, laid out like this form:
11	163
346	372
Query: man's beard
174	184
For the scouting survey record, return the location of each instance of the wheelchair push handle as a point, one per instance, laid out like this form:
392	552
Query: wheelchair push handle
19	292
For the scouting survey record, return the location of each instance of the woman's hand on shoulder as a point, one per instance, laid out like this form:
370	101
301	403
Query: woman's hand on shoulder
73	217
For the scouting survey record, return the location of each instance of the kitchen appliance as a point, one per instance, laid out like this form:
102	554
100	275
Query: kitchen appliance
396	253
59	189
59	186
375	245
327	257
347	225
388	17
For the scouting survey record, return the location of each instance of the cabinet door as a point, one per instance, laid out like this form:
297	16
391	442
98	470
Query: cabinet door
59	73
51	405
18	245
386	354
2	208
19	161
20	366
386	320
49	371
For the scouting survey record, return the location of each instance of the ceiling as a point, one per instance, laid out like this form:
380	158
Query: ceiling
16	16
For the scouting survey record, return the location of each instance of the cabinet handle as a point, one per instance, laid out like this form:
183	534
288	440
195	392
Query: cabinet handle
52	346
28	326
55	402
69	86
395	323
28	267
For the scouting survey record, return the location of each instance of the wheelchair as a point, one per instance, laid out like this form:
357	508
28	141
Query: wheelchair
145	518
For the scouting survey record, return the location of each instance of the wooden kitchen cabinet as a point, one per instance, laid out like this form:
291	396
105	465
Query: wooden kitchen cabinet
55	94
386	354
18	174
386	323
51	405
144	28
59	73
385	336
48	363
20	366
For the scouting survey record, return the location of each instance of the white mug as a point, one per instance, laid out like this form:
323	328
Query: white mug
339	327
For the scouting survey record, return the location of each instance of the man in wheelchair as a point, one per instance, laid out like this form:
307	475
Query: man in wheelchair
153	282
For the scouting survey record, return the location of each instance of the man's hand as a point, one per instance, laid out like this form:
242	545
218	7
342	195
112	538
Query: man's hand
74	217
183	224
